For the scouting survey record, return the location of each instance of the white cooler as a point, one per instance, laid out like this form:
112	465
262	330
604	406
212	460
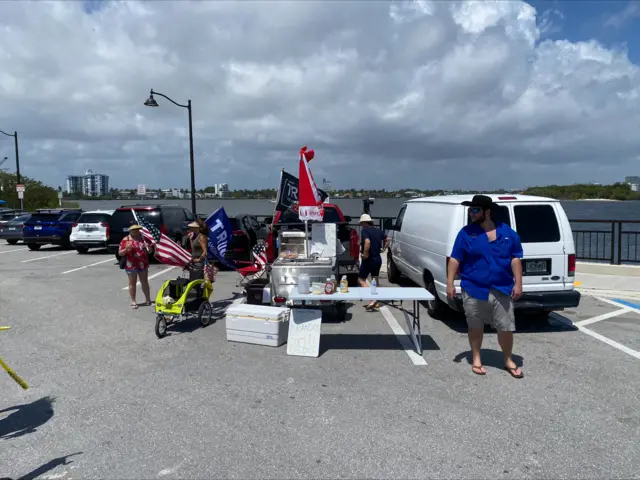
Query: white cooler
259	324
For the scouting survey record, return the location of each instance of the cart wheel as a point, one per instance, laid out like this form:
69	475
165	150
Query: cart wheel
205	313
161	326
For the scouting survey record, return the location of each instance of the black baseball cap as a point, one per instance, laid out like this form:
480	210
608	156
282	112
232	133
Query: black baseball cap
481	201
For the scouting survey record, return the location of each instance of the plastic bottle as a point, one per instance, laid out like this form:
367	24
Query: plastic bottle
328	287
344	284
374	284
335	283
304	284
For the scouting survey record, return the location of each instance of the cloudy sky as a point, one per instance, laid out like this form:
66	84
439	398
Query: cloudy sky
424	94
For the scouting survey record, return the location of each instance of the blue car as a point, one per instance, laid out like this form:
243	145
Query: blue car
50	227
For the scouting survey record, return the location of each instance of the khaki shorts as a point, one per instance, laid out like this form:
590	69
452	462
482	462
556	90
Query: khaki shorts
497	311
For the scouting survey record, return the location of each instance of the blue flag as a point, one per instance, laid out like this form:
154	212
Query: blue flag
219	236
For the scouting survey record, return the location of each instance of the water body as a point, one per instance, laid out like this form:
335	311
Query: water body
384	207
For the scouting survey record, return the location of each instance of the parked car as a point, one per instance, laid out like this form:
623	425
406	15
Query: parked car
11	230
50	227
7	215
246	232
426	228
172	220
91	230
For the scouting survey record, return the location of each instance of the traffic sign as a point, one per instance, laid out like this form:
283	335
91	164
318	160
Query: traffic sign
142	190
60	195
20	194
20	187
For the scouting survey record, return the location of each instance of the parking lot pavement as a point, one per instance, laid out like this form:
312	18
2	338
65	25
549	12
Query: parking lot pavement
125	404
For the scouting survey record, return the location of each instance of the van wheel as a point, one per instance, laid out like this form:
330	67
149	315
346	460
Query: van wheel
435	307
33	246
393	274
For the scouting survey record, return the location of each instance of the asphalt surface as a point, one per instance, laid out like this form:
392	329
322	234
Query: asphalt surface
110	400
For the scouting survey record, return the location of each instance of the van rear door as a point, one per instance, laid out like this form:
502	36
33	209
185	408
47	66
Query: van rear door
544	263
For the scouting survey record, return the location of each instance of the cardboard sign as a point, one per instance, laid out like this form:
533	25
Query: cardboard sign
305	326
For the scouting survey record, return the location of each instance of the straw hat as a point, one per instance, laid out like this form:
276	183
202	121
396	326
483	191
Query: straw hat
365	218
135	227
193	225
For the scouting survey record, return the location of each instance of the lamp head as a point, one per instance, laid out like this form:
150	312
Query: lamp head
151	102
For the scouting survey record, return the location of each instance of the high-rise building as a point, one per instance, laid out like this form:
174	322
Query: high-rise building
74	184
222	190
90	184
634	179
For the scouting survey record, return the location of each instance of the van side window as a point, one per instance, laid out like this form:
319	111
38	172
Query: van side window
398	224
500	214
536	223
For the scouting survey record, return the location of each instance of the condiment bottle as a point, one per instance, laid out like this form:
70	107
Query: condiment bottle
335	283
328	287
344	284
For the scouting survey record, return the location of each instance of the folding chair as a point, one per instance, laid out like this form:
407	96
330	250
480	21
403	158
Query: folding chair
250	271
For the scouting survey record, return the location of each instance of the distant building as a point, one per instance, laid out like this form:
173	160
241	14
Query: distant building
222	190
634	187
90	184
632	180
74	184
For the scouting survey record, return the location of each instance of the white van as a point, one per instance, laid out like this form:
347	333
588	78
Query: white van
426	228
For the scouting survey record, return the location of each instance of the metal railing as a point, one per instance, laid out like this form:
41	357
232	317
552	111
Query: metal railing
613	241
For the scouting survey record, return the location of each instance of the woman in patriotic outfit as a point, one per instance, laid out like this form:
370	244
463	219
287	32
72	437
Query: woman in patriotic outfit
136	251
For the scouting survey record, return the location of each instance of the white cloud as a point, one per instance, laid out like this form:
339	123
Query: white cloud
435	94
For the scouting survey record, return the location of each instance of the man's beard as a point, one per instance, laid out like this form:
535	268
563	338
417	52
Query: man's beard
479	219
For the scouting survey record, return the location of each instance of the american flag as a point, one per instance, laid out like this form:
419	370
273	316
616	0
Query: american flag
260	254
167	251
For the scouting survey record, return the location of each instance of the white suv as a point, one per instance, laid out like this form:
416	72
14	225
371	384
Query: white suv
91	230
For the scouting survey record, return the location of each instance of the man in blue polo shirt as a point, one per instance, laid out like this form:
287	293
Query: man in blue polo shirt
487	255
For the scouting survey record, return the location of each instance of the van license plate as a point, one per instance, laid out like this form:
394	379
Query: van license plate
537	266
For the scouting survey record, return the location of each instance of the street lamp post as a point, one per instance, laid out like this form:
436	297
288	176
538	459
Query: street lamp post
15	141
151	102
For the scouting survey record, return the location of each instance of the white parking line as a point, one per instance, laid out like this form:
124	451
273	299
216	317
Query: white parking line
616	304
48	256
153	276
15	250
403	338
604	316
597	336
87	266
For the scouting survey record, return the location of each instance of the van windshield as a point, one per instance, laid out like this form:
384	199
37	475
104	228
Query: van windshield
536	223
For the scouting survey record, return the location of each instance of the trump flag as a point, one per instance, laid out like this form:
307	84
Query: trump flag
220	235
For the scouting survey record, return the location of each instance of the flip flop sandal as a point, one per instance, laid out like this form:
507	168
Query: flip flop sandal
134	306
371	308
512	372
478	370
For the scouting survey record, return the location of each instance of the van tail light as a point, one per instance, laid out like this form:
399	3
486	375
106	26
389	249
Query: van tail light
163	228
105	225
457	271
571	264
279	300
74	225
354	244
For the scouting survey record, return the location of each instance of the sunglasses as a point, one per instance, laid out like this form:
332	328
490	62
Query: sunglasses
475	210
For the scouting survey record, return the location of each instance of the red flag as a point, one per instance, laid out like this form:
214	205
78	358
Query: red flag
309	199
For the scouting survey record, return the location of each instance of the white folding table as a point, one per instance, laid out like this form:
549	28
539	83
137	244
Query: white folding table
383	294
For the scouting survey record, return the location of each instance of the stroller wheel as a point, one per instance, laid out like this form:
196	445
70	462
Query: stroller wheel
205	314
161	326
